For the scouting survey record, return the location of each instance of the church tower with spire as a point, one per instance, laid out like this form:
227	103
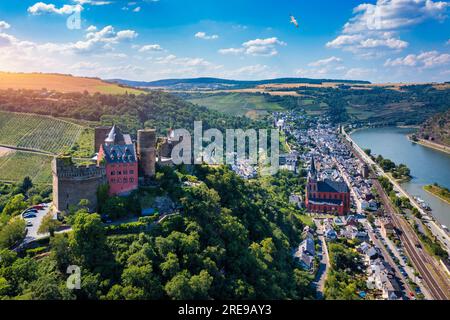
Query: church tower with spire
312	179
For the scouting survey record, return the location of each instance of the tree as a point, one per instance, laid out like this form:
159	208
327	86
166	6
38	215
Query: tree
15	205
26	185
50	286
12	233
184	287
60	251
115	208
142	277
49	225
88	240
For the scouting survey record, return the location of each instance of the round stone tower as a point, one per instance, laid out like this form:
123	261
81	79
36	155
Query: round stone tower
146	150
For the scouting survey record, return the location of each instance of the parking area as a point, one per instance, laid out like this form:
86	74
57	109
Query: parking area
33	217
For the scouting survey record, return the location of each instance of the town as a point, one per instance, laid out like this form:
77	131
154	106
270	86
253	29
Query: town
369	221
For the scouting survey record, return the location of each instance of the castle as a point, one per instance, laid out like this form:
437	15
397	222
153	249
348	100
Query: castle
326	196
72	183
121	164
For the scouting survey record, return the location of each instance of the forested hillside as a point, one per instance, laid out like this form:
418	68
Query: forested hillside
131	112
437	128
233	240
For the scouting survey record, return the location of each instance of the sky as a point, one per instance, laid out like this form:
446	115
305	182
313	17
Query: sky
380	40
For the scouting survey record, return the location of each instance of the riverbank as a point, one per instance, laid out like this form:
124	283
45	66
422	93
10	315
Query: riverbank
429	144
427	167
438	191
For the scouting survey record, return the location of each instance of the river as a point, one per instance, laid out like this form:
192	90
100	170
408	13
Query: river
427	165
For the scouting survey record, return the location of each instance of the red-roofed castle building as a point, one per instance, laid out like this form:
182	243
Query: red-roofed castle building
119	157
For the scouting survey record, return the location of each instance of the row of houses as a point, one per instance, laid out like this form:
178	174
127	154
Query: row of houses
380	275
305	253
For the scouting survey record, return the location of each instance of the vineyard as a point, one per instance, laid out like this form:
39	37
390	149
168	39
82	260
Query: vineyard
17	165
35	132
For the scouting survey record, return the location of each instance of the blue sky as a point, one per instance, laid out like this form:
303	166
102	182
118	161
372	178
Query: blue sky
379	40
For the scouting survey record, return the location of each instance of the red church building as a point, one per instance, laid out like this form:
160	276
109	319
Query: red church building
119	156
330	197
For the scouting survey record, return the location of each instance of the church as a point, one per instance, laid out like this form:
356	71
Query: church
327	196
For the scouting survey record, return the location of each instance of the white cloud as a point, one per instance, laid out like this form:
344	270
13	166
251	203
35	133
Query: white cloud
375	27
137	9
42	8
389	43
257	47
91	28
358	73
150	48
126	34
97	41
231	51
323	62
257	71
92	2
394	14
4	25
359	43
6	40
204	36
425	60
331	67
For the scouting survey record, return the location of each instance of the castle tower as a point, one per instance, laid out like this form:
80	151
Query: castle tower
146	150
100	135
72	183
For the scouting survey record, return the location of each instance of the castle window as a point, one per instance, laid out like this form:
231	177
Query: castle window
131	180
125	180
131	171
113	180
125	172
119	173
119	180
113	173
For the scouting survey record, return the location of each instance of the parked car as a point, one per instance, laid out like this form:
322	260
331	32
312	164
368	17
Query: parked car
29	224
31	210
29	215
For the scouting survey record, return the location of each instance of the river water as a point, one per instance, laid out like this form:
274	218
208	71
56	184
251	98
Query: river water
427	165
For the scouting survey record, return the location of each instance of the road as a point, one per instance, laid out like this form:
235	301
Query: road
324	266
409	270
387	257
435	279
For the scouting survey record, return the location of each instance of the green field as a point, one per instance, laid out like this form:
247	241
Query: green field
251	105
17	165
114	89
41	133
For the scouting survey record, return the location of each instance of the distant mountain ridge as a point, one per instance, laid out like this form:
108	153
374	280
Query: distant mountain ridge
217	83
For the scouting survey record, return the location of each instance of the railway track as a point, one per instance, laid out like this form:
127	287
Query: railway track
421	261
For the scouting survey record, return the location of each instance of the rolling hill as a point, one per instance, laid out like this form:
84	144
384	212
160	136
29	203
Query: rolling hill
60	83
224	84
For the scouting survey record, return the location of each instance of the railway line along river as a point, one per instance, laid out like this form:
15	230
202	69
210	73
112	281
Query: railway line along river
427	165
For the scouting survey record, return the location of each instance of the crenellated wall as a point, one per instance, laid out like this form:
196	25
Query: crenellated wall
71	183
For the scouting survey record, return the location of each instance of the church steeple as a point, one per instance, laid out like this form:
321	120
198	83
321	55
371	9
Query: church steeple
312	169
